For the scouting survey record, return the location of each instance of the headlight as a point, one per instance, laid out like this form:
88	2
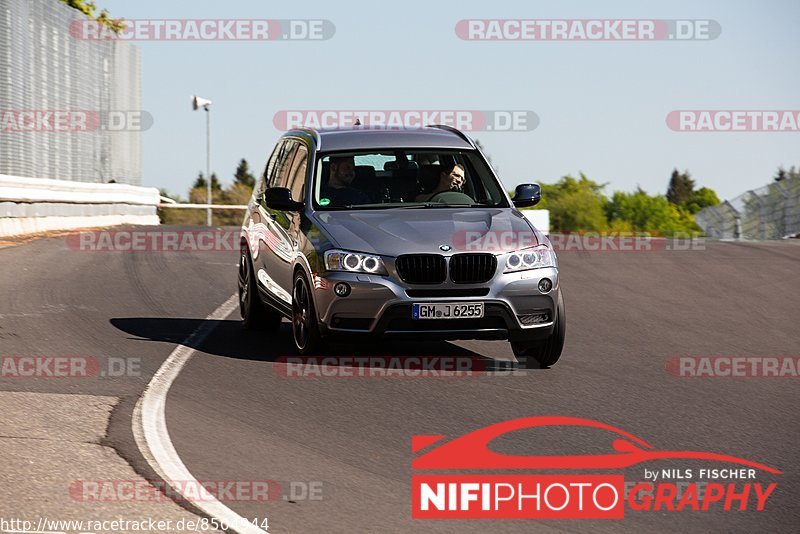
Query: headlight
354	262
531	258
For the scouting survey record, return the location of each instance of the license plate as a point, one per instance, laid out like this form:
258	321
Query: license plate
458	310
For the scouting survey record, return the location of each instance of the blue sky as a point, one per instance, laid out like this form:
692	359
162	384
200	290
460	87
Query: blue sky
602	105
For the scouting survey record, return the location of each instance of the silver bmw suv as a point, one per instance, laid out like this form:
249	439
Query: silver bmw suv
359	232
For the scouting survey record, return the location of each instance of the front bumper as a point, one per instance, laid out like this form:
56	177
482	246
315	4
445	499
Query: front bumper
381	305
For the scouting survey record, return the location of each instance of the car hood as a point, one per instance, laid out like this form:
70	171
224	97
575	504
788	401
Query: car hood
392	232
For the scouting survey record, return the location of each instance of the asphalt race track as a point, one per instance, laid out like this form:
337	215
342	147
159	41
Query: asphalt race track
232	413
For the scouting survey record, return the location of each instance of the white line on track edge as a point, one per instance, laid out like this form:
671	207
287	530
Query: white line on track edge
149	425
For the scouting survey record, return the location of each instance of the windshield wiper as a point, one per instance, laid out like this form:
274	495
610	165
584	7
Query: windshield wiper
443	205
410	205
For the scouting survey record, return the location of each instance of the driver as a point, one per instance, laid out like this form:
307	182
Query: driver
338	189
451	179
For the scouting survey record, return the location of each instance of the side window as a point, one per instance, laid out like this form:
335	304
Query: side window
284	164
297	173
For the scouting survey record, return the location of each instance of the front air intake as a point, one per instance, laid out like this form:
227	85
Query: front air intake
421	268
472	268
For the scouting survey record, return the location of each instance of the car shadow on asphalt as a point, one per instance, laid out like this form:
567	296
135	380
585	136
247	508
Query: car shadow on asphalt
229	339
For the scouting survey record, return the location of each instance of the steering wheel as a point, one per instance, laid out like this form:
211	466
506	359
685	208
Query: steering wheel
451	197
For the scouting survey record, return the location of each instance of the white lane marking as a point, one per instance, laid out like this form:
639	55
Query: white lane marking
150	426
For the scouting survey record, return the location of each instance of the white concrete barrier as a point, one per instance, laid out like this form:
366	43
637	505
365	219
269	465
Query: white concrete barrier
30	205
18	189
539	219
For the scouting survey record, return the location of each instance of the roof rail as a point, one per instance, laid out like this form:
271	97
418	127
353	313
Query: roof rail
450	129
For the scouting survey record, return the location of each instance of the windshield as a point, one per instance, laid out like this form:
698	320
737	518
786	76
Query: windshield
405	178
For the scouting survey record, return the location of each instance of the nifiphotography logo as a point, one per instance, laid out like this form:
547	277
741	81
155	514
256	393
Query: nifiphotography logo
498	489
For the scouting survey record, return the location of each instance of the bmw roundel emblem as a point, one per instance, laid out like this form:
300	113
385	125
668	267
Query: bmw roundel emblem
445	248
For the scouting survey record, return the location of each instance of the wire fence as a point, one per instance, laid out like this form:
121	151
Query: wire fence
45	69
769	212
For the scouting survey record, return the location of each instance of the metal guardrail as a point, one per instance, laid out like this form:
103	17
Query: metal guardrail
769	212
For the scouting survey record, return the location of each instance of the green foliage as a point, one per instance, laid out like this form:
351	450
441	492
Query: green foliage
243	175
88	8
782	174
575	204
201	182
579	205
682	194
702	198
654	215
681	187
237	193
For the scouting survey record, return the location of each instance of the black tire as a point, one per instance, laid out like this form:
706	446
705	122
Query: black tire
544	352
305	329
255	314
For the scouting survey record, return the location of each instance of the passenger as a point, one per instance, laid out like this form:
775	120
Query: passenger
338	189
449	180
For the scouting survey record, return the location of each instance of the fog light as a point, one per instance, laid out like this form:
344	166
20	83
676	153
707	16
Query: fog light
341	289
531	319
545	285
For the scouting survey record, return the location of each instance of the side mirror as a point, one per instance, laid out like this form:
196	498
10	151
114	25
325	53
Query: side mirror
280	199
526	195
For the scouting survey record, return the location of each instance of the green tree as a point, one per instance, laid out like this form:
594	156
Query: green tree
243	175
201	182
702	198
199	195
238	194
88	8
681	187
575	204
782	174
654	214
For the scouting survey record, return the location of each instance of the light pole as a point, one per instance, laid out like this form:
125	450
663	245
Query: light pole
198	103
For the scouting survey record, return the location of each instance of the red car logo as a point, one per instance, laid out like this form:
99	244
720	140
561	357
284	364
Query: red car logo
471	451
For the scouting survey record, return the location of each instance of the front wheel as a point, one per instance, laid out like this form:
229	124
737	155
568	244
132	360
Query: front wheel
544	352
305	329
